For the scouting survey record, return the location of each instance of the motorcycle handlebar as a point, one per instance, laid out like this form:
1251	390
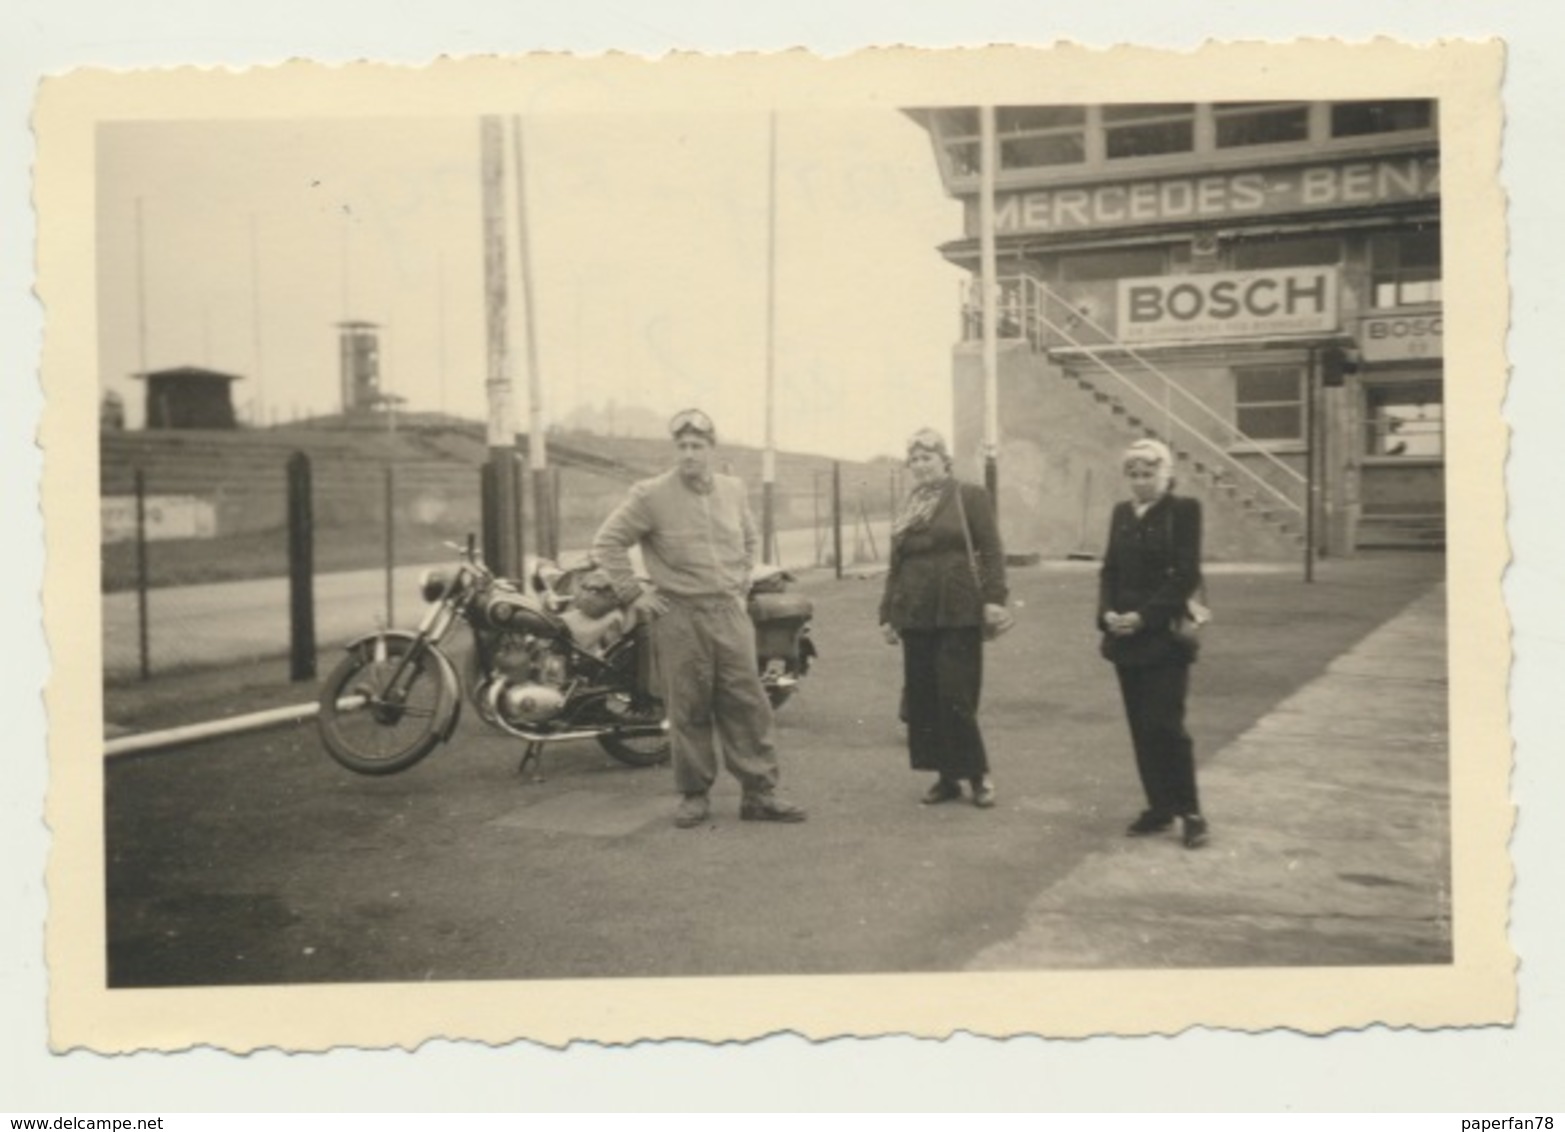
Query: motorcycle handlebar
469	553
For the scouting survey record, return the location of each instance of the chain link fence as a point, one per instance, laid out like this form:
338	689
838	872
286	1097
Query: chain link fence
196	528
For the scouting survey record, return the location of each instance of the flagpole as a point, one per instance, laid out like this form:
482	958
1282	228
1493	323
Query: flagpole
258	396
141	296
440	328
505	536
537	442
769	455
990	288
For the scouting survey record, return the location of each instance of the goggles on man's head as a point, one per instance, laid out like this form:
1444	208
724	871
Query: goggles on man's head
692	420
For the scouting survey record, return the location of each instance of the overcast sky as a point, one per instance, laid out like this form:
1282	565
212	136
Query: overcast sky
649	260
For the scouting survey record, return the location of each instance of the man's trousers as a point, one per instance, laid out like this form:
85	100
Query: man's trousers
712	689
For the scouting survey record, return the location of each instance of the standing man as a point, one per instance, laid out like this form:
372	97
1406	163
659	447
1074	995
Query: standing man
698	544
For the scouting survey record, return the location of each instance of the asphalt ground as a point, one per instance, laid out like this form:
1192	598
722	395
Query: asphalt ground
256	860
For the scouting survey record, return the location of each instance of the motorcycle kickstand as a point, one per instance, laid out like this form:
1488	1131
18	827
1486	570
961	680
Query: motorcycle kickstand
534	755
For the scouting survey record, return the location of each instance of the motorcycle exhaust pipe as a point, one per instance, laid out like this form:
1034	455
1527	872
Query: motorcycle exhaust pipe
563	736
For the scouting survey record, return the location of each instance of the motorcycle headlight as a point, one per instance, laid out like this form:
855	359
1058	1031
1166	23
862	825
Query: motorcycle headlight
434	584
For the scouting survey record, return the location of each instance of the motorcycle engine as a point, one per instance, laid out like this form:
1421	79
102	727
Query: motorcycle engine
530	703
527	686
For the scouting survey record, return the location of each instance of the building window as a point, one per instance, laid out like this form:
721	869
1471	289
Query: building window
1405	418
1067	139
1031	136
1148	129
1269	402
1260	123
1114	263
1355	119
957	129
1027	137
1260	254
1405	268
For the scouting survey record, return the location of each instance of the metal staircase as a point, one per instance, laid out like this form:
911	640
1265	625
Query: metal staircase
1155	404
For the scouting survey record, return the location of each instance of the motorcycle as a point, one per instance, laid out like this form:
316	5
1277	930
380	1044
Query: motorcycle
553	659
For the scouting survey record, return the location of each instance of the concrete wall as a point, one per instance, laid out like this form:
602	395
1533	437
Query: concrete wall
1408	486
1059	465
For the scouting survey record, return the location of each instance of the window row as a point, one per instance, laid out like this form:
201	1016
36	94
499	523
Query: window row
1031	137
1400	419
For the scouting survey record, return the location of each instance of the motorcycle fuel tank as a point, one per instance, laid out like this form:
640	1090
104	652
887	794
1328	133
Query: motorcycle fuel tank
518	614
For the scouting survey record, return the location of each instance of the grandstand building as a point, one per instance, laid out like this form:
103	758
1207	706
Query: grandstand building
1257	283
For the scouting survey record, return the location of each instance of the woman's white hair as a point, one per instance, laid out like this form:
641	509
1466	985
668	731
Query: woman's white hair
928	440
1149	451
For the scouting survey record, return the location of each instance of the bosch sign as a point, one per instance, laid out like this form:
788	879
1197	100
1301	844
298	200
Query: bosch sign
1395	338
1230	304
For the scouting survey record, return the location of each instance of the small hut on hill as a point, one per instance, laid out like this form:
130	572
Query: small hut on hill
189	397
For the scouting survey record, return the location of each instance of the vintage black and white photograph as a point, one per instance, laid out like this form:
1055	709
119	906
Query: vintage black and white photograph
597	534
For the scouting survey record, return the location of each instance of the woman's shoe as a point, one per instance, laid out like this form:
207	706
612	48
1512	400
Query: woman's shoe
1150	821
983	794
1195	831
944	790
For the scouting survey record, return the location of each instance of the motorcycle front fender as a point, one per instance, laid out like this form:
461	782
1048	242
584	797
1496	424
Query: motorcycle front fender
448	677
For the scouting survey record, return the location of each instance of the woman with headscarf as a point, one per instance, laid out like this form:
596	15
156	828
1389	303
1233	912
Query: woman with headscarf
1150	571
945	583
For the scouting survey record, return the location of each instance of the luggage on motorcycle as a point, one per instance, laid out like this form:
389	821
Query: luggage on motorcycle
766	607
769	579
595	595
778	618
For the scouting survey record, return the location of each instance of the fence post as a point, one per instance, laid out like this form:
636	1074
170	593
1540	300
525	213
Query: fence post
518	524
869	531
815	513
836	516
555	489
301	570
142	627
547	544
489	513
391	544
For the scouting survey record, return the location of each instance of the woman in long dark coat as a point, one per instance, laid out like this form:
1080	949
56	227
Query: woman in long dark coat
937	609
1150	571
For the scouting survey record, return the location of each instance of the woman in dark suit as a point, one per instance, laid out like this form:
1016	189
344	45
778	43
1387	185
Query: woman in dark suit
937	609
1150	571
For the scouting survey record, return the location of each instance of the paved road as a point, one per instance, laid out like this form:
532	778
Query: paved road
257	860
222	622
1335	834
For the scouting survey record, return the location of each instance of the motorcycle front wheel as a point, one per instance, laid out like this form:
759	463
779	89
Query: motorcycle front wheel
367	729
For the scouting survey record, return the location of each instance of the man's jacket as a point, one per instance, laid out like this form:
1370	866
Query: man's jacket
693	543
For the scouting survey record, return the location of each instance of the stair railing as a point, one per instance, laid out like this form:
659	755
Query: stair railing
1223	455
1235	435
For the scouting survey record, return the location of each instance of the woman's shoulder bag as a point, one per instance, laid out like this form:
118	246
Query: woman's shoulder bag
992	629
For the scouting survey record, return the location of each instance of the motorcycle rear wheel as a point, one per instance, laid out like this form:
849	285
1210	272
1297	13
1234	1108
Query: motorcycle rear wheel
637	750
372	736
